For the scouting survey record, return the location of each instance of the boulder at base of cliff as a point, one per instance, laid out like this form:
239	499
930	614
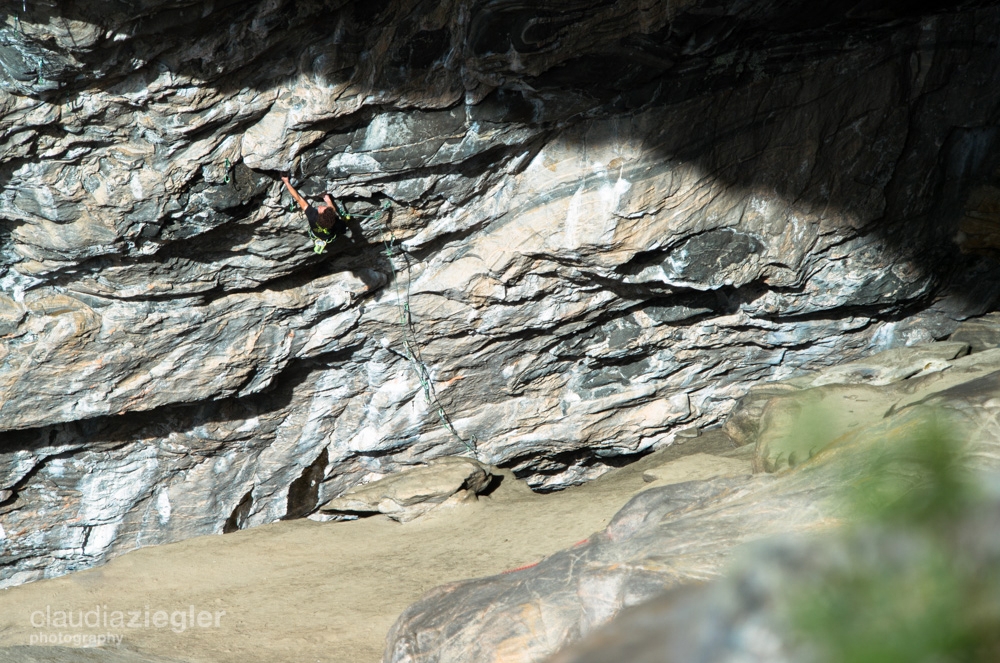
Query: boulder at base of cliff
769	609
673	536
414	492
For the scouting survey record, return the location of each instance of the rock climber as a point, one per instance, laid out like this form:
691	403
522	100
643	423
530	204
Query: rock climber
325	221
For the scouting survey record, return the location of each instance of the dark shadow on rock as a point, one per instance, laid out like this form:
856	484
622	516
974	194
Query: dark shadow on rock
780	81
238	518
303	493
495	481
529	67
112	431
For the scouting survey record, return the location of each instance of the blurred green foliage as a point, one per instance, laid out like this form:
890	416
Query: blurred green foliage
906	588
918	478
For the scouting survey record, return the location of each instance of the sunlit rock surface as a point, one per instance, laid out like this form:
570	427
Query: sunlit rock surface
403	496
679	536
607	220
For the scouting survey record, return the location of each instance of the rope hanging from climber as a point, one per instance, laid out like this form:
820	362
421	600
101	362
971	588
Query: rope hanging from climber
327	220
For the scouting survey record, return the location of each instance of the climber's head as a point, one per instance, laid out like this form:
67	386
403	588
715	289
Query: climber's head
326	216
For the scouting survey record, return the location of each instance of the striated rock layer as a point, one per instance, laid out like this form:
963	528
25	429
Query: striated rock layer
677	537
606	220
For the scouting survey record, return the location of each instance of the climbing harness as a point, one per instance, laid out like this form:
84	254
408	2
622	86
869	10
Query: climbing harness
320	236
409	342
319	243
411	351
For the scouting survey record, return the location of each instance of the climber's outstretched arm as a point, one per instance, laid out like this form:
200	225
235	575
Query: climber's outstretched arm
295	194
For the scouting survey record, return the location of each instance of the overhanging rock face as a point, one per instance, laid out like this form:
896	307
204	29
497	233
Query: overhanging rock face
607	220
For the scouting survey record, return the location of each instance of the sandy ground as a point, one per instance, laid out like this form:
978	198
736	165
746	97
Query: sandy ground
301	591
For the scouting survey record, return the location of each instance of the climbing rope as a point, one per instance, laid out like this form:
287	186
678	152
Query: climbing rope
412	351
408	328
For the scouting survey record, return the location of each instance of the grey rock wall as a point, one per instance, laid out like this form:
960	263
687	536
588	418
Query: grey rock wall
684	538
608	220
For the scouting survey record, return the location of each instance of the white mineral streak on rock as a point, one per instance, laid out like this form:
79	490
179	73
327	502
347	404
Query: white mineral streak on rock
584	276
99	539
113	493
163	506
351	162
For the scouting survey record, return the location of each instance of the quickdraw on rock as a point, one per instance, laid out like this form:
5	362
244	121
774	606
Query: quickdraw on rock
411	352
